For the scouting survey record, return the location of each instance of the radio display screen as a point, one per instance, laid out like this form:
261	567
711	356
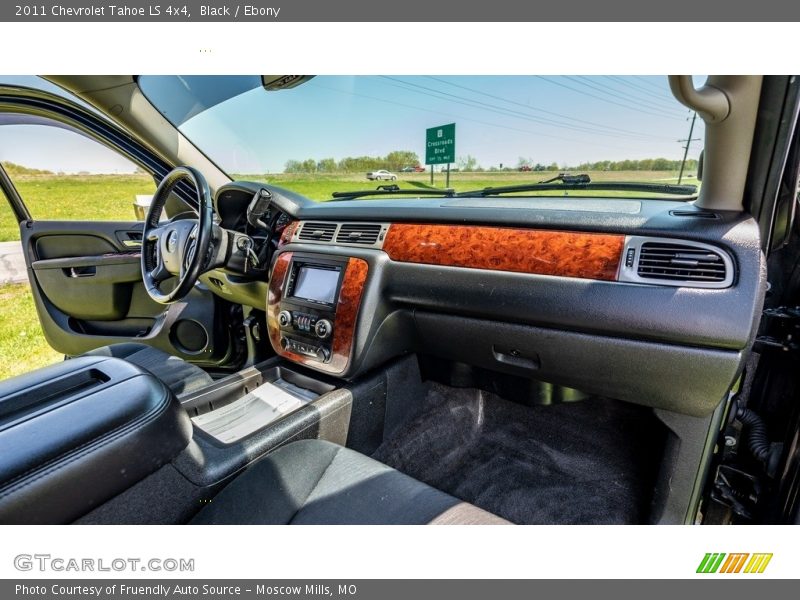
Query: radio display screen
315	284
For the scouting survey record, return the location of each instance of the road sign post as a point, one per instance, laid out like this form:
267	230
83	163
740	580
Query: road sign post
440	147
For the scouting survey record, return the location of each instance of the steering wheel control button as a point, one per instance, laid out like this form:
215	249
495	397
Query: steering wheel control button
323	328
284	318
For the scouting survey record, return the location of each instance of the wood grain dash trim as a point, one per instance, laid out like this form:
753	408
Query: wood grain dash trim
533	251
347	307
288	232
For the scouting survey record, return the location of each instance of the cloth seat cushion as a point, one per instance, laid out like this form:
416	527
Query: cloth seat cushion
317	482
177	374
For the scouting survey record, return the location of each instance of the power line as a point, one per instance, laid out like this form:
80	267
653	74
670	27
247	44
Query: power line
508	113
461	118
647	81
615	93
534	108
634	108
667	100
491	108
503	111
626	95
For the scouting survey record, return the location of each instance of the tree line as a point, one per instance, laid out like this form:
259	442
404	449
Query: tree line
399	159
645	164
394	161
14	169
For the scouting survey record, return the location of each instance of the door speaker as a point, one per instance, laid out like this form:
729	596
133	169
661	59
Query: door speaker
190	336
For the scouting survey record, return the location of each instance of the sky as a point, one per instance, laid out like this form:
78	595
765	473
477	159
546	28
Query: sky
53	149
499	119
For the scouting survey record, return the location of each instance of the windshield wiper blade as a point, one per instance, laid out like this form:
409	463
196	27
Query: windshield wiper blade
392	190
569	179
584	182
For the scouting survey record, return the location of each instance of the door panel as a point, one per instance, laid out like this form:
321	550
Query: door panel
88	291
96	288
68	244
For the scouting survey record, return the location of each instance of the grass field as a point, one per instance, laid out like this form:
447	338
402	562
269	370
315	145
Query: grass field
110	197
75	198
22	344
320	187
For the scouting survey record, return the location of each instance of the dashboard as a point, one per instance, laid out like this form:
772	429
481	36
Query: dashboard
649	301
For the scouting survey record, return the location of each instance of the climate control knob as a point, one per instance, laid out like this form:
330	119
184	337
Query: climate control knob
284	318
323	328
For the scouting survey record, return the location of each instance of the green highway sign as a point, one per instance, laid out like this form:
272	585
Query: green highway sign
440	145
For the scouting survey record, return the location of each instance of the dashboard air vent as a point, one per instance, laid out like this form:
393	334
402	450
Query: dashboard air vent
681	262
320	232
694	214
358	233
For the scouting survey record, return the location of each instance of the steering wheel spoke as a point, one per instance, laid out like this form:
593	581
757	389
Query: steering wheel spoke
160	273
154	235
183	269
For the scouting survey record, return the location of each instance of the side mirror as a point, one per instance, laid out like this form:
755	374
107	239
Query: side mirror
141	205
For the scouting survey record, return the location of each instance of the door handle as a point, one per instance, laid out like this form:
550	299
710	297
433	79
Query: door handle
516	358
88	271
130	239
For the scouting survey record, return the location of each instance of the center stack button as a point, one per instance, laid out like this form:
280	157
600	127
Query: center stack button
323	328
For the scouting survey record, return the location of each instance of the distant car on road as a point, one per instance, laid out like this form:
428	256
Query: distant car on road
381	174
417	169
525	168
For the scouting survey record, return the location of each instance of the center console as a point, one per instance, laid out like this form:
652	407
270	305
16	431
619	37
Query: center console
234	408
308	309
78	433
312	307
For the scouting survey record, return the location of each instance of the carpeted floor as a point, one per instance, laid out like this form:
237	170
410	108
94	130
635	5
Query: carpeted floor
592	461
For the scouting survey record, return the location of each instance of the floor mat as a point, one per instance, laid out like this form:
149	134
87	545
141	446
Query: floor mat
592	461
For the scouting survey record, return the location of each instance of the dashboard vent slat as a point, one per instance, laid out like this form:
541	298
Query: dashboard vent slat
358	233
679	262
694	214
321	232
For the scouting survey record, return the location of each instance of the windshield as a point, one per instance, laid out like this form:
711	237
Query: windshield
330	134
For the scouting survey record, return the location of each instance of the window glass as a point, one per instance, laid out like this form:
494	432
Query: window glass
64	175
327	134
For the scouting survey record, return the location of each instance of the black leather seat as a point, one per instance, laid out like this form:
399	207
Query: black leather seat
320	483
177	374
79	433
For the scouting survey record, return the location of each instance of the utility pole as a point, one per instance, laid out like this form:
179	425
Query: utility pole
688	141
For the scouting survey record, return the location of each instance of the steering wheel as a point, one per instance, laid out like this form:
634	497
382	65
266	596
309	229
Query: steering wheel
179	247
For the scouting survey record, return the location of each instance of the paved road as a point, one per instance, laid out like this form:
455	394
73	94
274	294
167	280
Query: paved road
12	263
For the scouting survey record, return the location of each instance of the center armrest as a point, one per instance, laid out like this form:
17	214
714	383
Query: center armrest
75	434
